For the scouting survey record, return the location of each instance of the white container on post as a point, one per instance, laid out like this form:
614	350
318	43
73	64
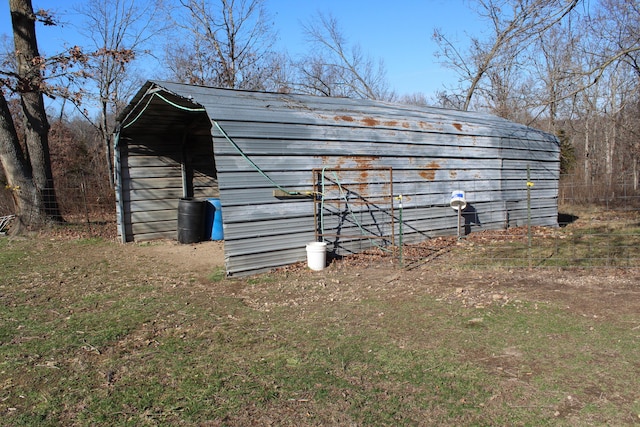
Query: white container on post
458	203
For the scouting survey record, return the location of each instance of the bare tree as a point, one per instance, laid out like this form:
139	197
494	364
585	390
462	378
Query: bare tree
28	170
415	98
336	68
117	31
514	23
317	77
451	99
506	91
617	24
610	81
28	75
281	73
228	44
28	203
555	63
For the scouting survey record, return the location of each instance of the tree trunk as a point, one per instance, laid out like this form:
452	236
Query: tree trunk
31	87
106	141
28	204
587	158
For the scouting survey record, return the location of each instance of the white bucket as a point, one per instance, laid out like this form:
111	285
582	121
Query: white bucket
458	201
317	255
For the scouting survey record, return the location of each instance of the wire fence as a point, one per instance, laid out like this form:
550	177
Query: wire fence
86	209
620	194
599	226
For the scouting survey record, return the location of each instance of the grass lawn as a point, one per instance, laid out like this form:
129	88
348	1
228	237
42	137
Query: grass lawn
97	333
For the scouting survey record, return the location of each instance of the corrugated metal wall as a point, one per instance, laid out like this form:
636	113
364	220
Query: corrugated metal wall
165	154
430	151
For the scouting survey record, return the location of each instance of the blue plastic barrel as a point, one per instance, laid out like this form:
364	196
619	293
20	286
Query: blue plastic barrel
213	220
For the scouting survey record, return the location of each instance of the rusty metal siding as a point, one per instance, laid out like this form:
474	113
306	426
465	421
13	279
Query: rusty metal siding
431	152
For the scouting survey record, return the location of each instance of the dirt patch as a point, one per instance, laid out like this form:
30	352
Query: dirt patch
200	257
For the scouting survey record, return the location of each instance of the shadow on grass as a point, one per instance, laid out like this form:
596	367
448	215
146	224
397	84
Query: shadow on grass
565	219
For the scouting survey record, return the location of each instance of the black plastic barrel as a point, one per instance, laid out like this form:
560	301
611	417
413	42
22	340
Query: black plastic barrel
190	220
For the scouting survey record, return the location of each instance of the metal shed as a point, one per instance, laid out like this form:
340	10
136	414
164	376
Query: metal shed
290	169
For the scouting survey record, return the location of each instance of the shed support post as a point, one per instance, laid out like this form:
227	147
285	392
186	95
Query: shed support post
117	172
183	167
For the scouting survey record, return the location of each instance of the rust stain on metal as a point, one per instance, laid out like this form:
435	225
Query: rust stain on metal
363	184
429	173
344	118
360	162
425	125
362	178
340	162
324	159
359	182
370	121
406	125
391	123
458	126
364	162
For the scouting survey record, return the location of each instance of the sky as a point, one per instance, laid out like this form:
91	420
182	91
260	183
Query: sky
398	32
